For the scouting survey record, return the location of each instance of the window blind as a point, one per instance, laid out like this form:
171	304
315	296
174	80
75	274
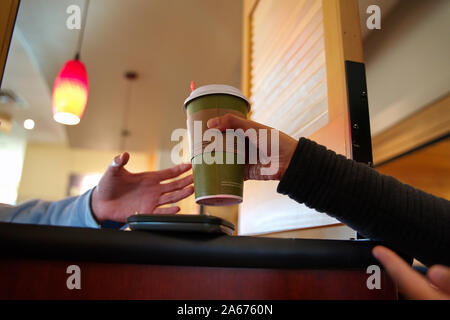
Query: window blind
288	71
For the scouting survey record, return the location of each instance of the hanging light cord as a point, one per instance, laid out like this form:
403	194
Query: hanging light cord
81	35
130	76
125	132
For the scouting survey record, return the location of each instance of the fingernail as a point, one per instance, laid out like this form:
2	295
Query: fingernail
376	252
117	160
212	123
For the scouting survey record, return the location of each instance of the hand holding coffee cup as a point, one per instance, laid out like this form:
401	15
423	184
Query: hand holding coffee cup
285	148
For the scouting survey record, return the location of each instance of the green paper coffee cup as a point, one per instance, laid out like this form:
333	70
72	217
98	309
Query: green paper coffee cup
216	183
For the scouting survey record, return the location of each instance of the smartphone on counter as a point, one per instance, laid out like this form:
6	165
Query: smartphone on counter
180	223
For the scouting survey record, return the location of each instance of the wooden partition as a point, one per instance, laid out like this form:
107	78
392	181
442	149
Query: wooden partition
8	12
294	73
425	125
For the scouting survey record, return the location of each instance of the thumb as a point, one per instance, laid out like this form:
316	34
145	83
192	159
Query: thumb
410	283
440	277
119	161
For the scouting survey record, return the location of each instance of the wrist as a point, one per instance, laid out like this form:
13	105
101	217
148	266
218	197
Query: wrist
96	207
289	153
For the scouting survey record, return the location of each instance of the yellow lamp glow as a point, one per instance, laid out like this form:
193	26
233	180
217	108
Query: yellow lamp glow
70	93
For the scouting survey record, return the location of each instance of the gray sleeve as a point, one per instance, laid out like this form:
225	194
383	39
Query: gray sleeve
73	212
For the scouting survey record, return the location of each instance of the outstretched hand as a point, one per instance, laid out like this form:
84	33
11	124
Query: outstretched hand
411	283
121	193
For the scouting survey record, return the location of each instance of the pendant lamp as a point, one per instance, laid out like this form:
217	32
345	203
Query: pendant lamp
71	87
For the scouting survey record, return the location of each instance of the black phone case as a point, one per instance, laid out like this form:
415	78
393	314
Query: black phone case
180	223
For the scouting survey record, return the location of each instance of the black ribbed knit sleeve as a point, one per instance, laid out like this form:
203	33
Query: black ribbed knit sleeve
377	206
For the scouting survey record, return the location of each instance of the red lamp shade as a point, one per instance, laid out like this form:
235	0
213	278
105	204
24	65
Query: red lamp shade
70	93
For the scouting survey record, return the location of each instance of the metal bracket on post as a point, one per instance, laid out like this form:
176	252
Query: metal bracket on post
359	112
358	107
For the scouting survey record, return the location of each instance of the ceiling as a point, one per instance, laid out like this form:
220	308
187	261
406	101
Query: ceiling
23	77
167	42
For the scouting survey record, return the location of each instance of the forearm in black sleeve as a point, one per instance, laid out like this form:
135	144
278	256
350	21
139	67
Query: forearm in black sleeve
377	206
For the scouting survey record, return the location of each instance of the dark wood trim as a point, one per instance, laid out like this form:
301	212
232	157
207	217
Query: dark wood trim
46	279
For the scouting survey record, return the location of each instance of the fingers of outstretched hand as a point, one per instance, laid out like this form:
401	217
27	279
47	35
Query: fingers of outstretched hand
175	196
440	276
177	184
168	210
410	283
172	172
